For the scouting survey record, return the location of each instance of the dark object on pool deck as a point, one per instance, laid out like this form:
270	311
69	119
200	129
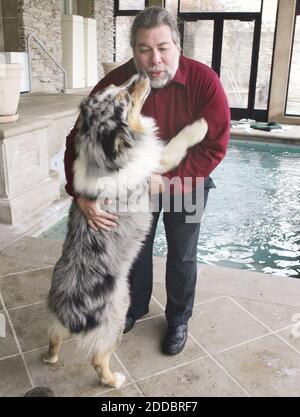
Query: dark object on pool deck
39	392
267	127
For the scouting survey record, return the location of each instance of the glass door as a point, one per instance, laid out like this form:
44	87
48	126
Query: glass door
236	57
198	40
236	39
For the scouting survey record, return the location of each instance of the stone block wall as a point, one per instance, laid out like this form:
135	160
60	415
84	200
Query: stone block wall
43	18
123	48
104	15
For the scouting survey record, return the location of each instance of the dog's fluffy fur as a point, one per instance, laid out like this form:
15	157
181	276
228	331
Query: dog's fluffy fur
89	295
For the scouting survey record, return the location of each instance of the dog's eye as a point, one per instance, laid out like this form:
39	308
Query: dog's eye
119	110
126	98
123	97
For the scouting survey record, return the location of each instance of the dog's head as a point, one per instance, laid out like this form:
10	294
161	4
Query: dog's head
110	122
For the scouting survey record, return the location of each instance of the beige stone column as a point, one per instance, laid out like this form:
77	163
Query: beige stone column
25	184
281	62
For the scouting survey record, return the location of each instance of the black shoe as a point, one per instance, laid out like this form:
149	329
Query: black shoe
130	322
175	339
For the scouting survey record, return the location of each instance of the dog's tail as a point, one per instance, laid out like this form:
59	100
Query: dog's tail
78	306
72	317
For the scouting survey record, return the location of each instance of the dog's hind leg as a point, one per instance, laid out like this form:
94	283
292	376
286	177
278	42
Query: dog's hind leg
101	364
57	333
53	350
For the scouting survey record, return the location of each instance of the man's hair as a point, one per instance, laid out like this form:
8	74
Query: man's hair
152	17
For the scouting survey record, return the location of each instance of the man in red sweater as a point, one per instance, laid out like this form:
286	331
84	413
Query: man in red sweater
182	91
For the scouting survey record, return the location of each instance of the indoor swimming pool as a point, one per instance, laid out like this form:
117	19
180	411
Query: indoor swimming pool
252	218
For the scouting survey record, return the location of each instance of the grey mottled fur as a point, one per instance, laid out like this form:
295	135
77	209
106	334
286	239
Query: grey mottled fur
89	293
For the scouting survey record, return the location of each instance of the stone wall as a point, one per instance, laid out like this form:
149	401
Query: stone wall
104	14
123	48
43	18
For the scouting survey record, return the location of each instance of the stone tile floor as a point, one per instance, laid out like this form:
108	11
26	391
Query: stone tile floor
242	340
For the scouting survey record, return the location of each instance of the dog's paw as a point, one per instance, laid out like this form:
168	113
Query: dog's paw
203	126
167	163
120	379
115	380
196	131
49	359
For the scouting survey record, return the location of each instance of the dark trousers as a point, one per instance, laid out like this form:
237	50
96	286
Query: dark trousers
181	268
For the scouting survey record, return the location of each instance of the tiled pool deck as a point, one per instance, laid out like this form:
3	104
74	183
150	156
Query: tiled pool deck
240	341
241	337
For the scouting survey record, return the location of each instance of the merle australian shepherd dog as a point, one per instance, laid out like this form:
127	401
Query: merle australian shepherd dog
117	151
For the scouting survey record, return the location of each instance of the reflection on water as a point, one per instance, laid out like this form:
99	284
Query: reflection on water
252	219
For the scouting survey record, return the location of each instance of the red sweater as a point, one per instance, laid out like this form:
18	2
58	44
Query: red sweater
194	92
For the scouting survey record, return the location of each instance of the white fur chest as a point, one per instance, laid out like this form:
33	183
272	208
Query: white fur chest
143	160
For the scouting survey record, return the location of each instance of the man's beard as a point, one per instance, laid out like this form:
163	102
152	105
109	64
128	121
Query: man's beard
165	79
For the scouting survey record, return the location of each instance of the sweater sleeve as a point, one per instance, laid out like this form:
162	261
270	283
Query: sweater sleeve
211	103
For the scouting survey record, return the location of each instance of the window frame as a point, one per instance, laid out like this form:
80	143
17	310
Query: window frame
219	18
121	12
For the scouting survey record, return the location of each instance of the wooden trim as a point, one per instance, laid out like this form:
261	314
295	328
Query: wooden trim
158	3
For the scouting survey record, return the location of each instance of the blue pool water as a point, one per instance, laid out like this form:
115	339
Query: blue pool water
252	218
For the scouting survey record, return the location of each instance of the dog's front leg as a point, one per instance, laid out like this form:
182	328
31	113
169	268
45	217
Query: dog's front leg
100	363
176	149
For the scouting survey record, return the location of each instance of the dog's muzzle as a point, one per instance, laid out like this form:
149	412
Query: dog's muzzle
140	80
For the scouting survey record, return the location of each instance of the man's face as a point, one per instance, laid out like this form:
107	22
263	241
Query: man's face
156	53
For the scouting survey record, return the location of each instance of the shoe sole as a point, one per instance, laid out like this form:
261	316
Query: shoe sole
170	352
127	329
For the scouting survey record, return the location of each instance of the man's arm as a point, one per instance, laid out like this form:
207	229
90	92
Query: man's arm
203	158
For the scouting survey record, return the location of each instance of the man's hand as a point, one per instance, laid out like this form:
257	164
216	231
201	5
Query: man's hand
96	218
157	184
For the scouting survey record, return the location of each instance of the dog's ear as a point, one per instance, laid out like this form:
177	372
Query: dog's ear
124	139
107	138
115	142
85	116
120	144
